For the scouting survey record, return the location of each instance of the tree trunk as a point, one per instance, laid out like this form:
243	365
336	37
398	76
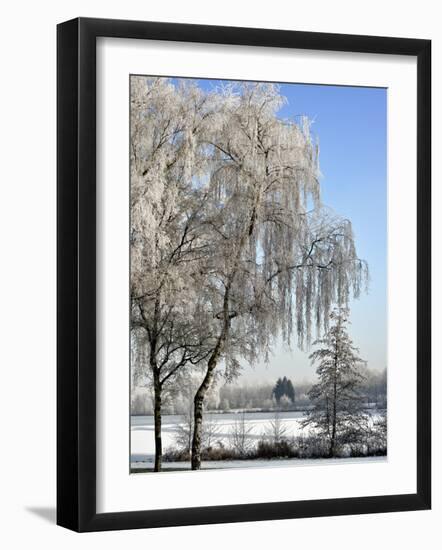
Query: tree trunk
333	436
157	424
198	411
333	441
213	361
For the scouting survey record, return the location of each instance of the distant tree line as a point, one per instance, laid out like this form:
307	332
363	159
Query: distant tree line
236	396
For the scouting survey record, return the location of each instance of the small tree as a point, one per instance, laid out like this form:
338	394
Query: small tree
188	384
184	431
277	430
240	435
337	405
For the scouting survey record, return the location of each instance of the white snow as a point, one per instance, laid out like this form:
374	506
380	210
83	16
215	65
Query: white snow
258	463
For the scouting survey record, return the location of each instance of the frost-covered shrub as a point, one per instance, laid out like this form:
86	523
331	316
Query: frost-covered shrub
312	446
240	436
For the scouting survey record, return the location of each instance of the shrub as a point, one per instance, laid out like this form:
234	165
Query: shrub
312	446
275	449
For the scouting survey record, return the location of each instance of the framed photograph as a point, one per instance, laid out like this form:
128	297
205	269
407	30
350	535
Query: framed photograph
243	274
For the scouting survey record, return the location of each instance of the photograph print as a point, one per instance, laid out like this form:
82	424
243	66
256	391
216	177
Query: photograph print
258	274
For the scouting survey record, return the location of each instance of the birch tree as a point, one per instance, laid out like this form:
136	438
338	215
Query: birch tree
337	400
165	212
277	260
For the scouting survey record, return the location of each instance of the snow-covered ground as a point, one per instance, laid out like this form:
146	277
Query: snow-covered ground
258	463
143	448
142	429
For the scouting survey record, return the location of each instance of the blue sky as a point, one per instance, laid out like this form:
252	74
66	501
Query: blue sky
351	126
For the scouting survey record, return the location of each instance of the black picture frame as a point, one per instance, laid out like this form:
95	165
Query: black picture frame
77	287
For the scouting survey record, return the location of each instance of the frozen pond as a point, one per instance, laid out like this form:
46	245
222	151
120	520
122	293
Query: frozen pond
259	423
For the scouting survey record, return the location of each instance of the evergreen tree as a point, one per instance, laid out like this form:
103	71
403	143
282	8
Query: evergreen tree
337	405
278	390
290	391
283	387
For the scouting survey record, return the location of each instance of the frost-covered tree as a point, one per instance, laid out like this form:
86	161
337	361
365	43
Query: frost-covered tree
241	435
278	260
277	431
186	386
165	248
337	400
